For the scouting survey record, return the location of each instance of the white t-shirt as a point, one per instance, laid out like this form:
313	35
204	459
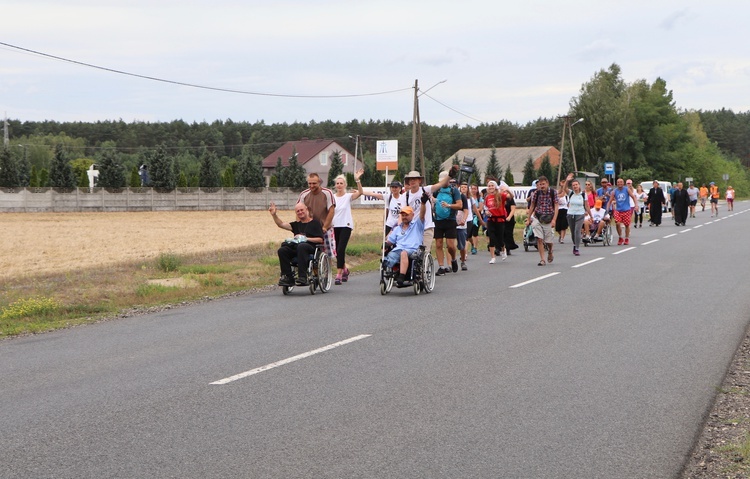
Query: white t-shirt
394	209
415	201
342	216
598	214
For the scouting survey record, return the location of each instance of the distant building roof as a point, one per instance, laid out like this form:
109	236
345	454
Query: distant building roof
306	151
516	157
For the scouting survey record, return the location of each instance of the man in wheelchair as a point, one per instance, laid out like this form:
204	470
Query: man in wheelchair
594	224
307	233
404	239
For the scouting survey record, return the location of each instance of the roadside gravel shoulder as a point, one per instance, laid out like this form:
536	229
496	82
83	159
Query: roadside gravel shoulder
723	448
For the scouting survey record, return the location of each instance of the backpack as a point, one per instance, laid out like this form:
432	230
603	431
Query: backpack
447	194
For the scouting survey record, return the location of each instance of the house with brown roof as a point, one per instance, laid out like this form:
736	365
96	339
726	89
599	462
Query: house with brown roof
315	156
516	158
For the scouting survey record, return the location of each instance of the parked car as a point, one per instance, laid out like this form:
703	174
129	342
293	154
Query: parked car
666	186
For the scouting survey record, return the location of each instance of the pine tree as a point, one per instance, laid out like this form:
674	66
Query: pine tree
493	169
8	169
135	178
34	178
111	173
509	179
161	169
249	171
182	180
529	174
336	168
545	169
296	174
227	179
61	173
209	175
280	173
44	178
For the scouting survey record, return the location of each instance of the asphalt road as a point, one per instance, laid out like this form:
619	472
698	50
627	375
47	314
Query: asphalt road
598	366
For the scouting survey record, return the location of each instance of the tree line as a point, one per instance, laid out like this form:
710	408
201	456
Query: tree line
637	125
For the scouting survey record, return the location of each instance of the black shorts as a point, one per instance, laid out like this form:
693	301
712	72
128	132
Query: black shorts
445	229
693	202
472	231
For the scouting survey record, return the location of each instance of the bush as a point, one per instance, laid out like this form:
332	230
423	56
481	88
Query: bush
168	262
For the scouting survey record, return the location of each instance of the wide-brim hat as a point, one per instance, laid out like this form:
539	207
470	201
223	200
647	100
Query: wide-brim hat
413	174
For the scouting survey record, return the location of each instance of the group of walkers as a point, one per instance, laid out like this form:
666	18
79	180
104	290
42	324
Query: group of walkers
455	214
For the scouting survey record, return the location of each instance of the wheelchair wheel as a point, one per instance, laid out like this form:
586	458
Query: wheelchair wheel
428	273
325	273
607	233
287	289
386	283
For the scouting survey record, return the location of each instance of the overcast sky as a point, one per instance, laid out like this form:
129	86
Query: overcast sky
502	60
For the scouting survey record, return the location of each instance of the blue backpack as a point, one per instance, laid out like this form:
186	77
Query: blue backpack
450	195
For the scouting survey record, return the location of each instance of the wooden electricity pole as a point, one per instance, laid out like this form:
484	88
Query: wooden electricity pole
416	134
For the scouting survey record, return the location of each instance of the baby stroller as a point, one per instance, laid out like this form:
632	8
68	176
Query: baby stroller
528	238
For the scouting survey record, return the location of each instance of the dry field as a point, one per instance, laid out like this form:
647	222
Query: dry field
38	243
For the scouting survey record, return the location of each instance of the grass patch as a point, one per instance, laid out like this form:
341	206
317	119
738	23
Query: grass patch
32	304
168	262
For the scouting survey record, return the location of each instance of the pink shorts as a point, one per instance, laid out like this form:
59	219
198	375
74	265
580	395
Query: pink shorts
624	217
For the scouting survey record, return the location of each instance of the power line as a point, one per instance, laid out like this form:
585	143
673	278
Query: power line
452	109
192	85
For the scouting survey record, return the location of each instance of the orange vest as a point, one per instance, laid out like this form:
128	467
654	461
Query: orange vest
714	191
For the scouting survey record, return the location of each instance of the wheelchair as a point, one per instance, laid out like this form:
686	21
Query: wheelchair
606	237
319	272
420	274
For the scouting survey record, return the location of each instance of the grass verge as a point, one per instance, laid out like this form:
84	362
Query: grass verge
35	304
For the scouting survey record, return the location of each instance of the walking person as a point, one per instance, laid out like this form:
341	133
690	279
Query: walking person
590	193
447	205
394	201
623	212
729	195
561	225
703	193
693	193
713	192
578	208
655	201
322	205
494	206
343	222
510	221
464	219
477	206
641	207
680	205
542	216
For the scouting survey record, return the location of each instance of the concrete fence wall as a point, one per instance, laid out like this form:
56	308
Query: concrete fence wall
145	199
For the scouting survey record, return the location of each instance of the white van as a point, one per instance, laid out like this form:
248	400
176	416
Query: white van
666	186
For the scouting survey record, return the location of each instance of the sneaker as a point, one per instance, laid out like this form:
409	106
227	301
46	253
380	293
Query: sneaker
302	281
492	261
337	281
575	252
345	276
503	256
473	250
627	241
620	241
440	271
463	266
454	265
286	281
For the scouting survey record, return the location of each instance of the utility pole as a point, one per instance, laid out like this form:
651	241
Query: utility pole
414	124
567	125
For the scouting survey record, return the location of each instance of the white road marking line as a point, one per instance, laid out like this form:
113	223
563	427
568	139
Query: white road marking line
669	236
624	250
649	242
709	222
587	262
697	226
685	231
534	280
289	360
